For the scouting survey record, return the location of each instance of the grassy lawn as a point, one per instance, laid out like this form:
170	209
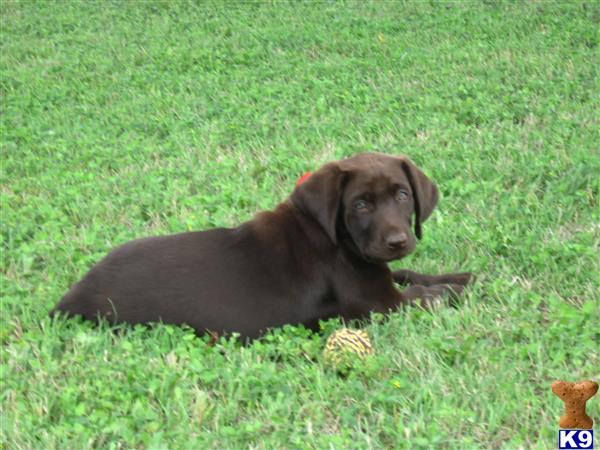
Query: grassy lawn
122	120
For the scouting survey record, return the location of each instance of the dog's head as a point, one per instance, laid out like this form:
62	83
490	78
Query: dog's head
368	201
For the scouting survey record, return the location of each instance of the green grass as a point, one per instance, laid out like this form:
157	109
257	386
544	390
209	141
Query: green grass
121	120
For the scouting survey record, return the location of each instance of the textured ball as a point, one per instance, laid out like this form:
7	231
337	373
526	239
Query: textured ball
345	345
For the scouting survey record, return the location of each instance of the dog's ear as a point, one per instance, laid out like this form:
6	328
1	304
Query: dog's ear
320	196
425	193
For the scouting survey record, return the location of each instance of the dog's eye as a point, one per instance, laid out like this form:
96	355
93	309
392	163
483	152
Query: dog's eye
360	205
401	196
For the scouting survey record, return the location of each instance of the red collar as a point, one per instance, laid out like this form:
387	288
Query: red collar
303	178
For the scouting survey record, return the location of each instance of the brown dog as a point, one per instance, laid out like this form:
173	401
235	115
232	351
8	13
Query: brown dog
320	254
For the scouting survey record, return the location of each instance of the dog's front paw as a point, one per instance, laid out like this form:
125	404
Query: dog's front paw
462	278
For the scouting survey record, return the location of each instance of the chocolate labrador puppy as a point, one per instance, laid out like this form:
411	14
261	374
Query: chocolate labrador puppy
322	253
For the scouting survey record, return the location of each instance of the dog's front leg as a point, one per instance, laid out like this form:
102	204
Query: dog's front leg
414	278
355	306
359	300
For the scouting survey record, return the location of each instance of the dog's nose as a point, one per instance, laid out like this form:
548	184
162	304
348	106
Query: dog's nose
396	240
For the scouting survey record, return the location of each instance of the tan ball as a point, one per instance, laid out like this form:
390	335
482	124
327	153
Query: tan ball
345	345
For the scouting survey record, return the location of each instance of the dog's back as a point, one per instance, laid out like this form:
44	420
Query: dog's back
244	279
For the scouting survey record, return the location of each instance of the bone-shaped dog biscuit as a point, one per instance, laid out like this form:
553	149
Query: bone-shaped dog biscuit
575	395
